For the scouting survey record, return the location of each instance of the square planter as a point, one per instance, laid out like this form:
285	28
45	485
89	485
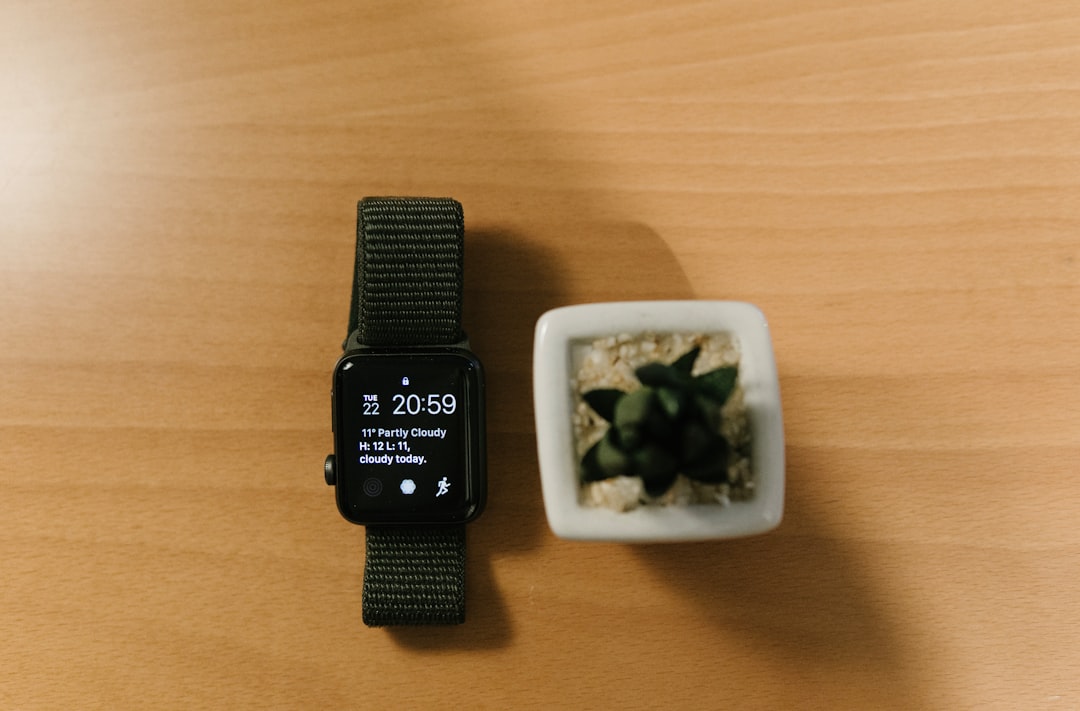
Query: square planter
562	339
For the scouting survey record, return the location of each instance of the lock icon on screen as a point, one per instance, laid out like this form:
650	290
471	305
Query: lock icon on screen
405	380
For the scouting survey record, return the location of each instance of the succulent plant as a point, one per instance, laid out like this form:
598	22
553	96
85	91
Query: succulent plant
669	426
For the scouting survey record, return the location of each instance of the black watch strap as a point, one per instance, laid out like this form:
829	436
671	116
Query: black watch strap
414	575
409	272
407	291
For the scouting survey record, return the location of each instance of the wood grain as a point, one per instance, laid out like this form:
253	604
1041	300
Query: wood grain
895	184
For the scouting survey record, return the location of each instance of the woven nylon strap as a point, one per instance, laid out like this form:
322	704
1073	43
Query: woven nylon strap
409	271
407	292
414	576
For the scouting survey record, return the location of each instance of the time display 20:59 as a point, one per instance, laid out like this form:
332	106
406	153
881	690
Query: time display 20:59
413	404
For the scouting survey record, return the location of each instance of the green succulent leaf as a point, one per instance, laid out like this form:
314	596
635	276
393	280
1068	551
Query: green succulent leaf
708	410
658	375
654	464
590	467
602	401
698	441
662	429
713	472
685	362
631	414
717	384
628	437
611	459
658	486
672	401
633	409
712	465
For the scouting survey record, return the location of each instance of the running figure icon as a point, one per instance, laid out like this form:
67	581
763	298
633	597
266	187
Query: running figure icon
444	487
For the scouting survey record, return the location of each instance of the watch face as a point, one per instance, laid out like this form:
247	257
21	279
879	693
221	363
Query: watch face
409	436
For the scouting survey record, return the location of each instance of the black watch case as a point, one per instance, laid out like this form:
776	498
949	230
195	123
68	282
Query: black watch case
409	436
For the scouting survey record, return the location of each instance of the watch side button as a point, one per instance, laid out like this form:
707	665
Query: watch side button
328	470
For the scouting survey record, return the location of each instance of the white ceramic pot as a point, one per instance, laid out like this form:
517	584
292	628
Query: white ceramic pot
561	337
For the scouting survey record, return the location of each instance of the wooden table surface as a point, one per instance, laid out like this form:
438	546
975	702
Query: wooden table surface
895	184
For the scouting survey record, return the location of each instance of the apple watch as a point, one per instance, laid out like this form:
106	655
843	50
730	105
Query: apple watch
407	408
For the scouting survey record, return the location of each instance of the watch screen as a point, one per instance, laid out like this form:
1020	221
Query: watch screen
409	437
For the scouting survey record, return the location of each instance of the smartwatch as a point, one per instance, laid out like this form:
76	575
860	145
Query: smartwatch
407	406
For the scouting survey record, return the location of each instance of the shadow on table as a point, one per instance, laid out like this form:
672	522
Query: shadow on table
510	281
797	593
